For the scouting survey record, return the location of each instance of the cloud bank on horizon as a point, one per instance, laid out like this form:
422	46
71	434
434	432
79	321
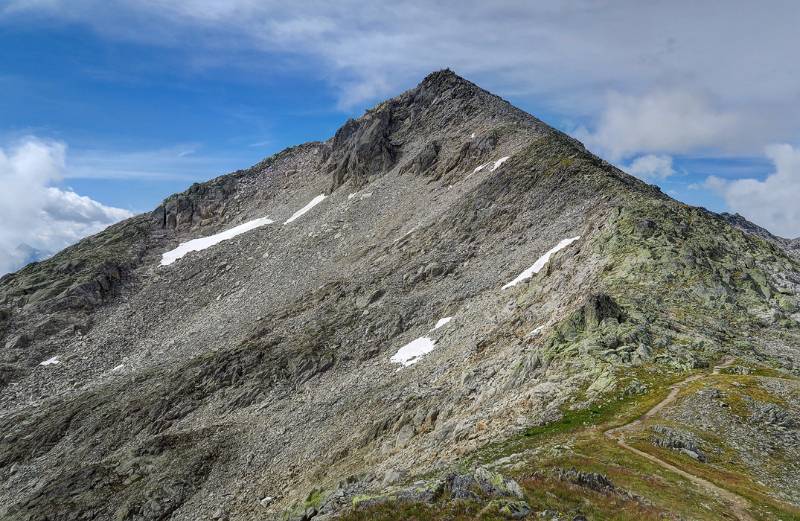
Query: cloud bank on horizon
644	84
37	216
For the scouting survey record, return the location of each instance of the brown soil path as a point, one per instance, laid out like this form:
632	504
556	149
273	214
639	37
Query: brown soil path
739	505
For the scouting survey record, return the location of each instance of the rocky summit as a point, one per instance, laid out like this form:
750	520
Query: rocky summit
447	310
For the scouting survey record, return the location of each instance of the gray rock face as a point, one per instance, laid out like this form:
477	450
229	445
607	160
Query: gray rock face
363	148
771	414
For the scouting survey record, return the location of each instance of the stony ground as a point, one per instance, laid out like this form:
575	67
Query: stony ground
253	380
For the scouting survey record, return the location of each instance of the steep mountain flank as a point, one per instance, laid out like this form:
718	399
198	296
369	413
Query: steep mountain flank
307	369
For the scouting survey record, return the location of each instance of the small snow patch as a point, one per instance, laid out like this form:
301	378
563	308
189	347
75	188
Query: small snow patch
472	136
118	368
411	353
314	202
442	322
536	332
540	262
350	196
51	361
409	232
497	163
206	242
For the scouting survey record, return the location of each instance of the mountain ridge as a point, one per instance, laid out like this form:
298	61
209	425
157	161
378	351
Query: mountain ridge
254	379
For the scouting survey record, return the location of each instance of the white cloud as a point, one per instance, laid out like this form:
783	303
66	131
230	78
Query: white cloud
568	53
772	203
34	213
651	167
661	122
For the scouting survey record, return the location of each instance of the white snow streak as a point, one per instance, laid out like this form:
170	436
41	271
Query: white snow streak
50	361
350	196
540	262
314	202
498	163
442	322
495	165
479	168
206	242
411	353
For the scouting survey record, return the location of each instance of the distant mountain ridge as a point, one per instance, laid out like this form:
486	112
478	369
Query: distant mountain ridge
737	220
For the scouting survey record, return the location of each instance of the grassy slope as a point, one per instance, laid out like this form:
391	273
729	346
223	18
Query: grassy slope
645	490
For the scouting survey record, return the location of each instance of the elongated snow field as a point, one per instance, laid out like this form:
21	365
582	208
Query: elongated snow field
314	202
540	262
206	242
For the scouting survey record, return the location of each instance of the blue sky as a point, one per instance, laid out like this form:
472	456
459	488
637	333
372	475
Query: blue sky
108	107
174	125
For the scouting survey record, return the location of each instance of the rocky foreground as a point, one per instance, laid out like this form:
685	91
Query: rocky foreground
449	310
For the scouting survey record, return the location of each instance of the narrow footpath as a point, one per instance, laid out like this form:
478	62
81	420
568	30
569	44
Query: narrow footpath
739	505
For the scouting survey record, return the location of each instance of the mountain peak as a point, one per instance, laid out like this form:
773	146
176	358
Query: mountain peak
444	79
409	131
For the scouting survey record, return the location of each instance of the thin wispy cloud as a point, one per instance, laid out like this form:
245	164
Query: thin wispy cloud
178	162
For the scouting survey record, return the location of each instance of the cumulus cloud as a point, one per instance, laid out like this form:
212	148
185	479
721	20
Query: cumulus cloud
37	216
773	203
651	167
661	121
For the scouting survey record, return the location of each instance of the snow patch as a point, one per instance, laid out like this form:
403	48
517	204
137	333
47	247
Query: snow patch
412	352
314	202
51	361
472	136
118	368
206	242
536	332
495	165
365	195
409	232
540	262
499	162
479	168
442	322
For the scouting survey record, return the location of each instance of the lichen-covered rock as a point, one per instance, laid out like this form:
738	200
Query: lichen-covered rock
592	480
683	441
